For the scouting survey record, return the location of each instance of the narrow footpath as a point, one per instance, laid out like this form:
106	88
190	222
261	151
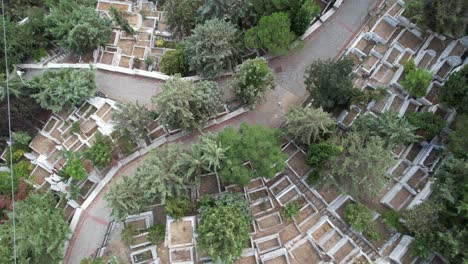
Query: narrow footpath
326	43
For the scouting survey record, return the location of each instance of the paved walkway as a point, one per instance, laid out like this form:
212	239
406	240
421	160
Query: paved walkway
326	43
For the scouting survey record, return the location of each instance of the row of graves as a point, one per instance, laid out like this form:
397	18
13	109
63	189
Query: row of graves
379	56
141	51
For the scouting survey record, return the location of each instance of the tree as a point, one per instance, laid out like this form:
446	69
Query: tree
177	207
16	87
444	17
429	124
388	126
360	219
252	79
454	93
319	153
173	62
306	125
5	182
121	21
131	120
330	83
272	33
185	105
256	144
74	167
100	153
180	16
416	80
363	166
46	244
224	228
77	27
458	140
63	88
156	233
234	11
303	17
213	47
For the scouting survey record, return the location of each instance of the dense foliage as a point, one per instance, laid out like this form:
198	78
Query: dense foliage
224	227
213	47
100	153
181	16
428	124
252	79
174	62
454	93
416	80
63	88
330	83
256	144
458	140
177	207
233	11
131	120
46	243
444	17
319	153
360	219
306	125
74	167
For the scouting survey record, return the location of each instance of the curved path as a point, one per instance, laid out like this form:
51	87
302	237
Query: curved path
326	43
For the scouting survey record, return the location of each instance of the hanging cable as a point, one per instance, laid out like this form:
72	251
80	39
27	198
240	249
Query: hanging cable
7	75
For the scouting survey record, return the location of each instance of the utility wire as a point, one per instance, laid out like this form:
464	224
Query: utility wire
9	130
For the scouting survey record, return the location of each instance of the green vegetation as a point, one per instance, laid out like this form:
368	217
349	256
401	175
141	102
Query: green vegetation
213	47
429	124
252	79
5	183
156	233
360	219
454	93
392	220
303	17
319	153
44	246
177	207
224	227
100	153
74	167
330	83
272	33
181	16
458	140
256	144
444	17
117	16
388	126
290	210
174	62
131	120
234	11
127	235
306	125
62	89
416	80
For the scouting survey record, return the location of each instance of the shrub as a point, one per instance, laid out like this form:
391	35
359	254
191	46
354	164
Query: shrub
156	233
392	220
415	81
100	153
305	125
429	124
290	210
22	169
75	127
173	62
360	219
454	93
177	207
21	140
17	155
321	152
5	183
127	235
74	168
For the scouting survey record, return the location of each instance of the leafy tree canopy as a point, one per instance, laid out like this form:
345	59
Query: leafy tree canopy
213	47
330	83
256	144
46	244
132	119
63	88
416	80
252	79
174	62
272	33
429	124
306	125
458	140
234	11
360	218
454	93
181	16
100	153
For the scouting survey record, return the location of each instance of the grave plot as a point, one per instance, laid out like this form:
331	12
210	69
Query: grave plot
416	178
235	189
268	243
328	195
408	39
343	251
258	195
279	256
330	240
38	176
297	163
401	167
269	221
398	198
305	212
281	185
413	152
288	195
289	149
140	240
321	229
262	206
252	259
384	233
383	30
181	233
340	204
181	255
255	184
209	185
304	252
431	158
289	234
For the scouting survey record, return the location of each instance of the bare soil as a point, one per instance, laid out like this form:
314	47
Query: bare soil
277	260
208	185
305	253
289	233
298	164
181	255
269	222
181	233
288	196
343	252
321	231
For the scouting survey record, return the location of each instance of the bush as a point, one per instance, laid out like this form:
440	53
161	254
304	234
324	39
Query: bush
21	140
416	81
454	93
17	155
100	153
360	219
22	169
74	168
321	152
429	124
75	127
392	220
290	210
127	235
5	183
156	233
458	140
177	207
173	62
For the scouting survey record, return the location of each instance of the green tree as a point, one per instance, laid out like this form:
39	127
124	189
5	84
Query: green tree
90	260
224	228
173	62
330	83
360	219
303	17
100	153
177	207
63	88
181	16
234	11
429	124
444	17
319	153
416	80
77	27
17	88
5	182
388	126
272	33
256	144
46	244
156	233
458	140
363	166
252	79
118	17
306	125
74	167
207	101
290	210
131	120
454	93
213	47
